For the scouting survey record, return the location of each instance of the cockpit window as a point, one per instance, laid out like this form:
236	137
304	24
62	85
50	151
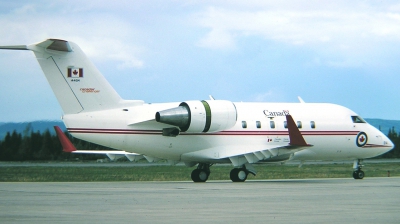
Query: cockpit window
357	119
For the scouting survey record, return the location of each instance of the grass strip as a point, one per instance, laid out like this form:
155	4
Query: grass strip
182	173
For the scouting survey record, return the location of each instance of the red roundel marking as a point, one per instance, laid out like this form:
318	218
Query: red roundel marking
361	139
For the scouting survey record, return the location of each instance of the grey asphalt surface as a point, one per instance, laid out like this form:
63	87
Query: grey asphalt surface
372	200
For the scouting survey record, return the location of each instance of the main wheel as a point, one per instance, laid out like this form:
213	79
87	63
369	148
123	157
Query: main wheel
238	175
199	175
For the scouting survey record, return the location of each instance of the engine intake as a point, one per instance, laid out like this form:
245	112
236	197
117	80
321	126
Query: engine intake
200	116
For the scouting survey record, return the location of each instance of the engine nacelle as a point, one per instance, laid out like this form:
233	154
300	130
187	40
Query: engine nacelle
200	116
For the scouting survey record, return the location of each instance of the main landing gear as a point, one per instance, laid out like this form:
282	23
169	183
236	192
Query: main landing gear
358	173
238	174
201	173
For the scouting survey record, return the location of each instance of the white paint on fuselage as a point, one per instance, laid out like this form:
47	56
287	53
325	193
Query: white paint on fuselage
134	129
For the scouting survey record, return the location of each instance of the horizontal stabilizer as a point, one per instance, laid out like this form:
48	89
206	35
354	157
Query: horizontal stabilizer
59	45
51	44
14	47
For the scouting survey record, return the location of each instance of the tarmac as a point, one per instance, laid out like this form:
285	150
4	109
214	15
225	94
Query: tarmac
371	200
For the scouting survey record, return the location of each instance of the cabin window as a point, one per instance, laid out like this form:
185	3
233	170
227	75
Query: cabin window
299	124
285	124
312	124
272	124
258	124
244	124
357	119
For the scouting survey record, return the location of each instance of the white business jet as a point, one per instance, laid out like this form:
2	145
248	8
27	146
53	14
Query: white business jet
199	132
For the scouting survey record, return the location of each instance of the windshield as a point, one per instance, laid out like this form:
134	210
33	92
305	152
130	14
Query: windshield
357	119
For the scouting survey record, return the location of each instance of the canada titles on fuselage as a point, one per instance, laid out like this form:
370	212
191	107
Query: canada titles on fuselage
276	113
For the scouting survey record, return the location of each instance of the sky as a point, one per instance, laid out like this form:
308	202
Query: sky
341	52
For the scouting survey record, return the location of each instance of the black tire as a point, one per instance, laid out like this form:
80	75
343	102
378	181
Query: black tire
238	175
358	174
233	175
355	175
199	175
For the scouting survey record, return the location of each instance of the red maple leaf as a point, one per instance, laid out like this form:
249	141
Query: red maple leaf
75	72
362	139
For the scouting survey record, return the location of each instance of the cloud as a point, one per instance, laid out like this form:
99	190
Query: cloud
102	36
218	39
263	97
272	95
346	31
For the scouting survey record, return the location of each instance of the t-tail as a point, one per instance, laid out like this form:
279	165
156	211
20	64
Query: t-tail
76	82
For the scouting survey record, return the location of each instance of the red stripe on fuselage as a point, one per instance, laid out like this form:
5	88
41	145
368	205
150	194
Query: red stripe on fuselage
376	146
158	132
112	131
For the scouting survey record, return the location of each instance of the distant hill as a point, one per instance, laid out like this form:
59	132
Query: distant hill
35	126
384	125
41	126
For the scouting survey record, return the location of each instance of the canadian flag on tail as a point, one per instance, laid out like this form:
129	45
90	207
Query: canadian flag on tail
75	72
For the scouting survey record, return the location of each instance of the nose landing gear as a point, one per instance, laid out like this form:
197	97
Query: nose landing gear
358	173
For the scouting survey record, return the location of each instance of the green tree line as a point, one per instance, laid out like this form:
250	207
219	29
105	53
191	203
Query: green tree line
395	138
31	146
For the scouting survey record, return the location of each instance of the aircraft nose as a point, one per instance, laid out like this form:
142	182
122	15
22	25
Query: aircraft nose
390	144
381	143
387	145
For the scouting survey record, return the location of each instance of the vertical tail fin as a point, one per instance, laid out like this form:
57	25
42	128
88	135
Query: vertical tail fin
75	81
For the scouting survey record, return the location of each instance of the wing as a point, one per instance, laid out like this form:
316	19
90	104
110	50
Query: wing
112	154
282	152
241	154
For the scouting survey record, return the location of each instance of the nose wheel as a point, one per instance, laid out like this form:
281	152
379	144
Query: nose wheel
358	174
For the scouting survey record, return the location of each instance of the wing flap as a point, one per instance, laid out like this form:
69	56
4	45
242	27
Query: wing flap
266	153
259	155
251	157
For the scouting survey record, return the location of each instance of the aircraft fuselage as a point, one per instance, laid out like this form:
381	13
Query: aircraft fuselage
328	127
